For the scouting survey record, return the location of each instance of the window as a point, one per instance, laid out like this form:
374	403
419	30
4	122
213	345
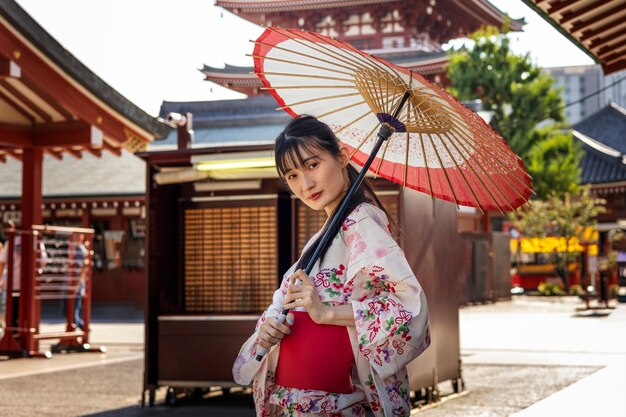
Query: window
230	258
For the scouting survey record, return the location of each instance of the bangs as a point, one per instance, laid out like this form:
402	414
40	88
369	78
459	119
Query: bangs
289	155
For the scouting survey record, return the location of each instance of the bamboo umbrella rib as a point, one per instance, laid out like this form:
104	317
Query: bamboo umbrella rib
445	173
364	62
430	185
386	68
315	58
321	77
471	167
317	99
345	126
395	104
495	186
461	172
406	159
349	106
325	51
285	87
287	61
464	139
504	168
380	103
406	142
363	141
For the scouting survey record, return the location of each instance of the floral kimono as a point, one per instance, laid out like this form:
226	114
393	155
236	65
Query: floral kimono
365	267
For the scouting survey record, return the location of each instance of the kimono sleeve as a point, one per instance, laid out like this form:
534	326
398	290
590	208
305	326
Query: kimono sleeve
250	348
389	306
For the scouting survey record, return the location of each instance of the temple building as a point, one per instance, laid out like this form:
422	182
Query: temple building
407	33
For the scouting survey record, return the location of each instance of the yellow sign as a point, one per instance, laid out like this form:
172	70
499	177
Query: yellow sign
552	244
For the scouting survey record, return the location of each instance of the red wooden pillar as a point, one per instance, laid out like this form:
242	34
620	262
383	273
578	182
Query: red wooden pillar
32	199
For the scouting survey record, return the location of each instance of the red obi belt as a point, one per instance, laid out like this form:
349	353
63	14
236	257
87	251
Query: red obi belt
315	356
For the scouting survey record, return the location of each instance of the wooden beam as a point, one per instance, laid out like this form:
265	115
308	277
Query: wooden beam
9	68
42	77
113	150
48	99
95	152
609	49
29	117
55	154
614	56
609	38
568	17
21	97
66	134
555	7
617	66
3	158
14	154
582	25
76	154
15	136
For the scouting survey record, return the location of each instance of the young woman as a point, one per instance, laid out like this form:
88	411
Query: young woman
357	320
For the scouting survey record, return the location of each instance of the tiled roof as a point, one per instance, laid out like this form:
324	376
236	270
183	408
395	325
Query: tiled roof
249	111
607	126
603	136
109	175
55	52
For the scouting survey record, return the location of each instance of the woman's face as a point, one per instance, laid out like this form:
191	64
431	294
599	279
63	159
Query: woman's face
321	181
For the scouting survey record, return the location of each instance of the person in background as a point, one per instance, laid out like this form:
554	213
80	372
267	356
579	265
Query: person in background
2	301
4	271
81	264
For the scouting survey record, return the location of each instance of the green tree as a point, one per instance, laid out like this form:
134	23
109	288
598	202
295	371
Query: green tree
568	216
553	162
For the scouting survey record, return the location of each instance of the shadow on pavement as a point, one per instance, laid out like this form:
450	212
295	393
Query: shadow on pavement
235	405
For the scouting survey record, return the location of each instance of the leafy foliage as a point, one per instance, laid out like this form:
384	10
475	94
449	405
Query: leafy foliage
553	162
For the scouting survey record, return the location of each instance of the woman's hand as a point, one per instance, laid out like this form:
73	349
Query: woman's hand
305	295
272	331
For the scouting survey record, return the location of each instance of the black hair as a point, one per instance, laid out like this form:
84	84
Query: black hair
306	133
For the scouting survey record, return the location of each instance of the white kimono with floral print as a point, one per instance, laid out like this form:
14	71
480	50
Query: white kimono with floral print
365	267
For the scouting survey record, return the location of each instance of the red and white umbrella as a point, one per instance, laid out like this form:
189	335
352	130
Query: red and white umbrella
437	145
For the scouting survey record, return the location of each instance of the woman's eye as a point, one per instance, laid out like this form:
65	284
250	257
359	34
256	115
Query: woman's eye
313	165
291	176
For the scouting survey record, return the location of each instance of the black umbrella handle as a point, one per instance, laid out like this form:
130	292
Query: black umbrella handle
384	133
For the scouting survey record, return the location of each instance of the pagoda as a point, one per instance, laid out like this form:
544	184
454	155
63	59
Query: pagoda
409	33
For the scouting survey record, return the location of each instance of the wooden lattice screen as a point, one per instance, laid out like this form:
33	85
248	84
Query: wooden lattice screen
310	221
230	258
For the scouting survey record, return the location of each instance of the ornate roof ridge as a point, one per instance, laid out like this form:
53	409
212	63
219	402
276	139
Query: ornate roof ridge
261	6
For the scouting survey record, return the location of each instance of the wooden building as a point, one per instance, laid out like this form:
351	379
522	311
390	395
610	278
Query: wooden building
407	33
65	134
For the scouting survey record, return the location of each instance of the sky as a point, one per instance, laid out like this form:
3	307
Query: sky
152	50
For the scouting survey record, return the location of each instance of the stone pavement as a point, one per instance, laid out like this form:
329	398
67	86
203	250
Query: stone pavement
531	356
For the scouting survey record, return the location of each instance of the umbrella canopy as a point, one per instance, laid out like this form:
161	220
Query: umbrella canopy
438	147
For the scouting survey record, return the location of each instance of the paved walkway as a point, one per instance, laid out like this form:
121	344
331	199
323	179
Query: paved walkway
559	333
531	357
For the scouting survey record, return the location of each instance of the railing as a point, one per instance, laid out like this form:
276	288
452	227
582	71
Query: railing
55	263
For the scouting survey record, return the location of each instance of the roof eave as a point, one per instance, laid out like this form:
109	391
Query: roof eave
558	27
50	47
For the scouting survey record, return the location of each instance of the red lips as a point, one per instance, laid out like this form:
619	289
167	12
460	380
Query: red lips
315	196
